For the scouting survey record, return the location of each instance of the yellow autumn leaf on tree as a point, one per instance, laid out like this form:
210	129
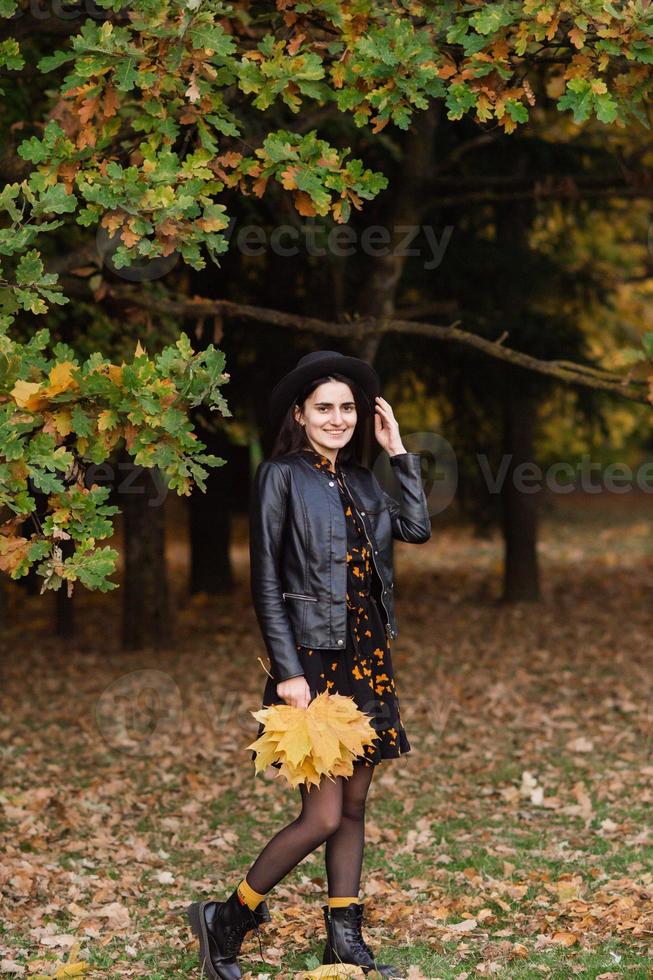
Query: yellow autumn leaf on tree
62	422
304	204
12	552
289	178
18	469
129	237
61	378
28	394
106	420
33	396
338	72
483	108
577	37
115	373
112	221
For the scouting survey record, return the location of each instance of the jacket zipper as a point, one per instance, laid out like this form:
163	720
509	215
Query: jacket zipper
388	627
296	595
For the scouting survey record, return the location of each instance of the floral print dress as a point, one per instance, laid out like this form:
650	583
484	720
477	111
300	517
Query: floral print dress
363	670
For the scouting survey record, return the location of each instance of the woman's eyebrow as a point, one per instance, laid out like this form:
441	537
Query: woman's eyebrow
329	404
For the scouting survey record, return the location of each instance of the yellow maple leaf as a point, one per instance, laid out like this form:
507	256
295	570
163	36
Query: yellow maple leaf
71	968
322	740
63	971
335	971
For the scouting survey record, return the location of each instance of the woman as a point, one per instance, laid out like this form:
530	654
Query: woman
321	576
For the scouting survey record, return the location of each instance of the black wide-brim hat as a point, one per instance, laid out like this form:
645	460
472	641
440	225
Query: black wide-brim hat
315	365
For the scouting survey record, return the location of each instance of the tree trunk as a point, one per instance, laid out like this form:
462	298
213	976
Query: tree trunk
521	580
378	296
146	616
518	506
210	538
210	515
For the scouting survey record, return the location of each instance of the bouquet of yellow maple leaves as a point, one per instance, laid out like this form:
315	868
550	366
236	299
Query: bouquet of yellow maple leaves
322	740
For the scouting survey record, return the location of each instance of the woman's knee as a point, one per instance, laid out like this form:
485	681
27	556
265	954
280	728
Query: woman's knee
322	825
354	809
329	823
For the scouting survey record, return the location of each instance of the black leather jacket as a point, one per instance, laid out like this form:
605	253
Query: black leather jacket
298	541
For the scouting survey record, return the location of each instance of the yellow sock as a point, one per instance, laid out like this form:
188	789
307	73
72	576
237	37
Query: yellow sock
339	903
248	896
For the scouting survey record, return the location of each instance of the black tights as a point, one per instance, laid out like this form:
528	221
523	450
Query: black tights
333	812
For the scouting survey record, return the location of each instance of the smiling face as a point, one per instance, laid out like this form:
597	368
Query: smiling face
330	417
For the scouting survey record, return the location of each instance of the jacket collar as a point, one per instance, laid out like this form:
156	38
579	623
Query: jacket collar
319	461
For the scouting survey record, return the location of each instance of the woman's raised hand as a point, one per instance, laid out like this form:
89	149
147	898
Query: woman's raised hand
386	427
295	691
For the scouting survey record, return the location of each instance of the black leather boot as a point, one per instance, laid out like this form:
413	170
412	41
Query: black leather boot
221	928
345	943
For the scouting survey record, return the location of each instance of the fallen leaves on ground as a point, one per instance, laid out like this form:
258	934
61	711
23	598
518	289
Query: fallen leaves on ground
71	968
334	972
519	822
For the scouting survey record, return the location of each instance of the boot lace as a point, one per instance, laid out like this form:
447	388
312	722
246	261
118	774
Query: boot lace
235	933
356	936
359	943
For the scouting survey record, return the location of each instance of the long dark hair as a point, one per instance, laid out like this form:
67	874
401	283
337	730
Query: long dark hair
292	437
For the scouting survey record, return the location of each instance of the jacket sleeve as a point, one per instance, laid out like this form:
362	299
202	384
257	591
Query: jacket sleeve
268	508
410	518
